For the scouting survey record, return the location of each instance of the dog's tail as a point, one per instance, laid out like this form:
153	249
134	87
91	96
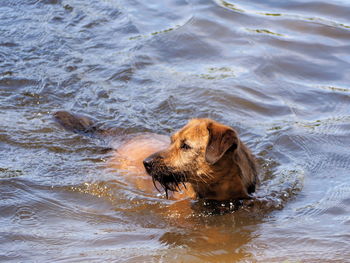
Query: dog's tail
79	124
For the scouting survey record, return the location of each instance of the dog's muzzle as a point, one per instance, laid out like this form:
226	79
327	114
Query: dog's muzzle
165	175
149	162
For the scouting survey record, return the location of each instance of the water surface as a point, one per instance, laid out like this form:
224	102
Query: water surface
277	71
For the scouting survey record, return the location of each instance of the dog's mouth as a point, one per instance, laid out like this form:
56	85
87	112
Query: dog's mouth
168	179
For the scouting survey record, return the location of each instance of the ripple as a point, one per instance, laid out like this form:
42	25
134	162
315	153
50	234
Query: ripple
11	83
9	173
278	190
334	202
8	44
26	215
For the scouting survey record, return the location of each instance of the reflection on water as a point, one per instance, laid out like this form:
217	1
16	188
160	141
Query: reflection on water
277	71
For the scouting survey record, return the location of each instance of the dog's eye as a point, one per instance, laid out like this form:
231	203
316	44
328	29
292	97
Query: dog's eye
185	146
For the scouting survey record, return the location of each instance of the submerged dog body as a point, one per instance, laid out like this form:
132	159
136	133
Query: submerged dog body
205	159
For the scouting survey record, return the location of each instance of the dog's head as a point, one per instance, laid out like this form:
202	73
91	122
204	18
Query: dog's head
203	154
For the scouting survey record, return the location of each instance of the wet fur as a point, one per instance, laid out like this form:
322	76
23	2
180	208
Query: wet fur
215	162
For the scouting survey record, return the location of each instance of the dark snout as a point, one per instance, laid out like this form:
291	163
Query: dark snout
150	162
162	173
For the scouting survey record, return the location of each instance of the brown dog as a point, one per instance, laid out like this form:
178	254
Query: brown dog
205	159
210	157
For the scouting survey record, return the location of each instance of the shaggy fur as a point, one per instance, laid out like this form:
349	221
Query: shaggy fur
210	157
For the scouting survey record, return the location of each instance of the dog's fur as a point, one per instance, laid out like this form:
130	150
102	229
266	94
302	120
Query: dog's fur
211	157
205	157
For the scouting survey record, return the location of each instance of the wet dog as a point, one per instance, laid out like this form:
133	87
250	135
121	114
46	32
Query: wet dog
210	157
205	159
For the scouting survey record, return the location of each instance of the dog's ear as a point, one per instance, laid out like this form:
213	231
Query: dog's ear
221	139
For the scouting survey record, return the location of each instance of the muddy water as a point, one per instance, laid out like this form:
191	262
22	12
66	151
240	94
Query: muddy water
278	71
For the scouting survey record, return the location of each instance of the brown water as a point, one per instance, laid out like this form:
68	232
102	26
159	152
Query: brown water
278	71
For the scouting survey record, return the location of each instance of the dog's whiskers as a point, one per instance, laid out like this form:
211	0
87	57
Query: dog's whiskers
206	177
171	182
154	183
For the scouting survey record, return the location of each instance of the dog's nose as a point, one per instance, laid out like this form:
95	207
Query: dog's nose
148	163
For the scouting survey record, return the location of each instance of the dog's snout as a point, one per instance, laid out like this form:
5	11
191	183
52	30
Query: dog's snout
148	163
151	162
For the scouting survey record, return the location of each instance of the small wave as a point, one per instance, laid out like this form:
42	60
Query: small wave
335	202
26	215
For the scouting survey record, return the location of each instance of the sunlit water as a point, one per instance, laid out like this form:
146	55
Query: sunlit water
278	71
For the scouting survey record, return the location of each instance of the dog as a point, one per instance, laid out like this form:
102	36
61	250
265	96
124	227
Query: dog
203	160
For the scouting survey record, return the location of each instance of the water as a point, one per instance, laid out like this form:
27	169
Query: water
278	71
